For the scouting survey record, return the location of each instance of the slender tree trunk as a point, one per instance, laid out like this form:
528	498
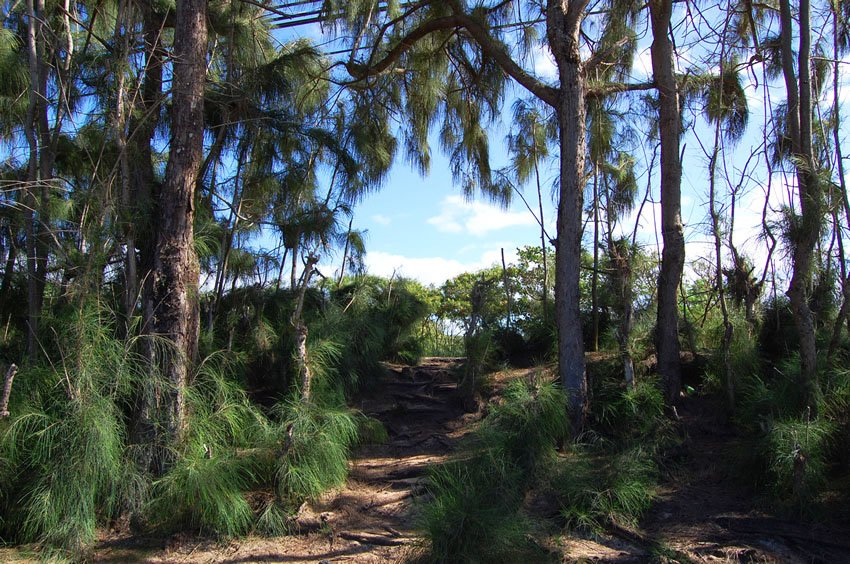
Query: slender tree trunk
174	290
506	283
11	257
563	31
594	281
227	236
673	254
839	161
31	226
131	275
301	333
543	246
728	328
799	123
145	192
345	253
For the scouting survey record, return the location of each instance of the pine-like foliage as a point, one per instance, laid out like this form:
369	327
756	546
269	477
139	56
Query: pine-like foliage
64	450
205	489
474	515
314	457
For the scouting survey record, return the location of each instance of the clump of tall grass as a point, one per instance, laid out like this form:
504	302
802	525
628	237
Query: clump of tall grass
474	515
595	486
475	512
65	445
314	450
628	415
790	451
205	488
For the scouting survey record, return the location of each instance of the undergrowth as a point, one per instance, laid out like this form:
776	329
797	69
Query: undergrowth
475	513
69	463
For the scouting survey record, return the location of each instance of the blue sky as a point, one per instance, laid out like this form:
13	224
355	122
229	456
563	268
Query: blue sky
423	228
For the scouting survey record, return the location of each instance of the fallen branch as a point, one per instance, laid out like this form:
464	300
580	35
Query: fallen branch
367	538
7	391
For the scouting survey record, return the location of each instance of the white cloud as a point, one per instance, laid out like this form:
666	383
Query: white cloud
642	65
544	63
476	218
430	270
381	219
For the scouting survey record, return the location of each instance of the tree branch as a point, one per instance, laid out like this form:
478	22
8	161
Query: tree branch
604	89
484	40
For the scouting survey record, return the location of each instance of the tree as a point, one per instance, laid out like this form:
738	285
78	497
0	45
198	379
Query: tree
171	294
805	232
672	230
469	42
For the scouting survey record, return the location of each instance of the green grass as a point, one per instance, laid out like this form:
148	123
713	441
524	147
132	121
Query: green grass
595	486
475	515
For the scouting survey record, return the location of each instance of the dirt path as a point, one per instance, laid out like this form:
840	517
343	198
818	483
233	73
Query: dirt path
705	513
372	519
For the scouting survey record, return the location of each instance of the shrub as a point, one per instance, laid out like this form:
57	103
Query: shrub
64	449
475	512
315	453
595	486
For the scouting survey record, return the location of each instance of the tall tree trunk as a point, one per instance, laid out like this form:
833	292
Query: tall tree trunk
594	281
728	328
173	297
839	161
145	191
799	123
543	247
563	30
673	254
31	225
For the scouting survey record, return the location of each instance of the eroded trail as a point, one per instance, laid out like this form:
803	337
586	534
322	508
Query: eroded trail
374	517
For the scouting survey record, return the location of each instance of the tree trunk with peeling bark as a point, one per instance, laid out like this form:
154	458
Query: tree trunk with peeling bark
173	293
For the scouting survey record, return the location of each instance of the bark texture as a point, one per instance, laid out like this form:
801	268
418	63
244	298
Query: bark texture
172	296
805	235
673	255
563	30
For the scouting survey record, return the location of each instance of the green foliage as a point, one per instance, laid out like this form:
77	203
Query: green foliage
628	415
474	515
315	450
64	452
527	424
204	489
204	493
795	453
371	431
595	486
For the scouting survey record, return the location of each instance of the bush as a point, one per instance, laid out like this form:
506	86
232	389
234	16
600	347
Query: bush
475	512
315	455
595	487
64	448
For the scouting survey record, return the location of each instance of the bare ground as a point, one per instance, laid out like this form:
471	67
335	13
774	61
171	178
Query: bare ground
703	512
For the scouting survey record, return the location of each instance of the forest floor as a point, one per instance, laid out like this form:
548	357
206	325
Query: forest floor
703	513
